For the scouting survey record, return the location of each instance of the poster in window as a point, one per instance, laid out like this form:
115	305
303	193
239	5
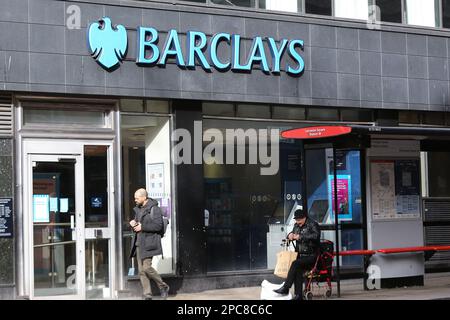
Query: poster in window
383	189
344	197
41	208
407	188
155	180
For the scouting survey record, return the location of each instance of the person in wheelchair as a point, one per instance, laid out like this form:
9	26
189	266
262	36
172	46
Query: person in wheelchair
306	233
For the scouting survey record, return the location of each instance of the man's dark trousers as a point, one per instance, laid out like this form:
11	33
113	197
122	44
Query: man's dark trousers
296	271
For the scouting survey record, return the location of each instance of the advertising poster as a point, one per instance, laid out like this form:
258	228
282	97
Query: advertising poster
344	197
407	188
383	189
41	208
155	180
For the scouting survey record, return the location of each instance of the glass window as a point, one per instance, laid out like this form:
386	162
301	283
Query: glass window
285	5
422	12
146	163
247	210
323	114
131	105
253	111
390	10
157	106
434	118
446	13
239	3
91	119
352	9
322	7
357	115
287	113
409	117
218	109
438	175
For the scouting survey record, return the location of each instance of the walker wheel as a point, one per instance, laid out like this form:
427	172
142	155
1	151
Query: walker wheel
308	295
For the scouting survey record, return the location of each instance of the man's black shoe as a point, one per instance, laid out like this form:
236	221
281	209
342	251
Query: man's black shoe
283	290
297	297
147	298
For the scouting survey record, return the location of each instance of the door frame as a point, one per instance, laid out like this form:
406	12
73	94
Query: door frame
48	148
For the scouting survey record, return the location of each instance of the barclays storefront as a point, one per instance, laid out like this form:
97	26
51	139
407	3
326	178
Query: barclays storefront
189	100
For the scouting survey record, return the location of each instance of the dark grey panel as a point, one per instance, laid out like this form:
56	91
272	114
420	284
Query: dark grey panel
289	86
125	92
231	25
348	61
393	42
76	41
161	20
394	65
418	91
289	30
370	63
416	44
323	36
196	81
437	47
86	89
126	16
324	85
371	88
347	38
259	83
47	69
229	82
261	28
17	67
89	13
304	85
47	38
6	174
438	68
370	40
195	22
348	87
417	67
14	10
439	93
48	88
5	147
82	70
13	36
168	78
47	12
7	260
323	59
395	90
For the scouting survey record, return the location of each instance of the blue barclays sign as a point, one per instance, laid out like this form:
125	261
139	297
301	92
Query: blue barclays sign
108	46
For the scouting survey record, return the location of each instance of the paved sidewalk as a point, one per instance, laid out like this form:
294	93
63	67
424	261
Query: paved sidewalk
437	286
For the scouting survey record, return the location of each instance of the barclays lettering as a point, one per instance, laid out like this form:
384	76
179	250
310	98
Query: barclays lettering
108	46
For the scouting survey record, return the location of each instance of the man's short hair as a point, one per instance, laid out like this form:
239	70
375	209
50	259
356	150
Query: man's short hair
141	193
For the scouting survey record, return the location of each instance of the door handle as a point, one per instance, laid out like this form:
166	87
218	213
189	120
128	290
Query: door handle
72	221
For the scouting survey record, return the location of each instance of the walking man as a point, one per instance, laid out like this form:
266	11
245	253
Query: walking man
147	225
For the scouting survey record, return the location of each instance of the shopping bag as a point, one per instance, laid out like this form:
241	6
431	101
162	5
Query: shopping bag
267	292
284	261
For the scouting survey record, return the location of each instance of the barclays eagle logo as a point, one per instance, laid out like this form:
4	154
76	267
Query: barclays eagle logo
108	45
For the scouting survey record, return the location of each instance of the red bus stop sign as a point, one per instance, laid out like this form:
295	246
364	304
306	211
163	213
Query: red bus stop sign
316	132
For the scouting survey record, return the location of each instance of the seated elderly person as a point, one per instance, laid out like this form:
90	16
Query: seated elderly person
306	233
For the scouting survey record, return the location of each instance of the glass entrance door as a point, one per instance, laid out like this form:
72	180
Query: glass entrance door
57	228
70	221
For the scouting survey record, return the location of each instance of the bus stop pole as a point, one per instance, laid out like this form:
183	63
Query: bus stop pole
336	223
